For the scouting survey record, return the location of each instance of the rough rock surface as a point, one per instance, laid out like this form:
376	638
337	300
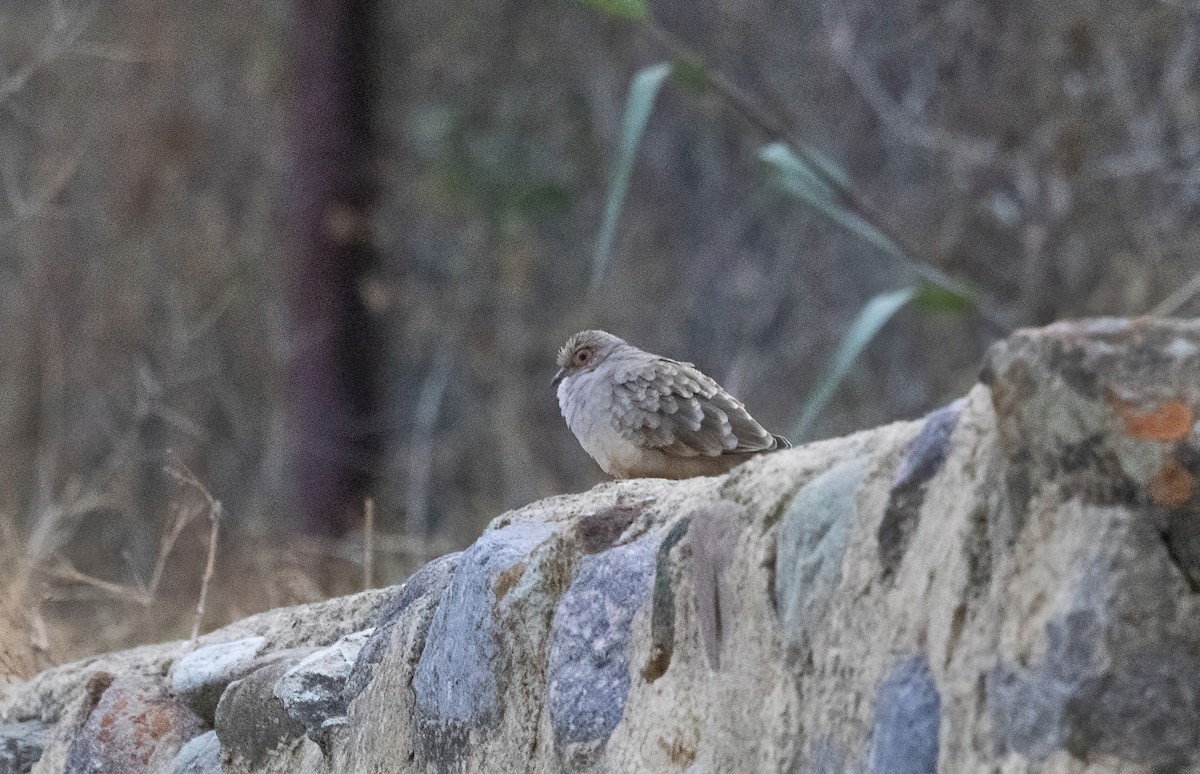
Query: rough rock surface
201	755
21	745
1008	586
199	677
311	692
48	695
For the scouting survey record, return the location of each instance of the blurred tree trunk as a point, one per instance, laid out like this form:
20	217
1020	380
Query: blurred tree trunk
329	369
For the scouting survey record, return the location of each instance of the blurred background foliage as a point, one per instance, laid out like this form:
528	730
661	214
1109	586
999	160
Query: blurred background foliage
1045	155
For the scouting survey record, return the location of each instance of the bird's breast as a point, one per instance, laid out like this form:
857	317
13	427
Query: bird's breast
587	405
583	403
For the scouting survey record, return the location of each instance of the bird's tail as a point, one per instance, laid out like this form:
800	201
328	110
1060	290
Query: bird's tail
781	442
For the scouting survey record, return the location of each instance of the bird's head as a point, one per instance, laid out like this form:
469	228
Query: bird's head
584	351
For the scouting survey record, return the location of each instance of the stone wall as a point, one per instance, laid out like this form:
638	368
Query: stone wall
1009	585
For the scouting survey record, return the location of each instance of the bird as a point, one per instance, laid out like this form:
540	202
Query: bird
641	415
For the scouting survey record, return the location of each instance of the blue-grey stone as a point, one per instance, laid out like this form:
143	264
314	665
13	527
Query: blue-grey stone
200	755
923	458
812	537
907	720
827	758
588	673
199	677
1100	691
423	588
455	680
311	691
1027	711
21	745
927	452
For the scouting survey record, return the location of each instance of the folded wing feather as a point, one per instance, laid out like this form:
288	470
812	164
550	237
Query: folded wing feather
671	406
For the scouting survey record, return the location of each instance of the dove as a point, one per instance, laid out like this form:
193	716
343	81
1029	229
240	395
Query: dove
641	415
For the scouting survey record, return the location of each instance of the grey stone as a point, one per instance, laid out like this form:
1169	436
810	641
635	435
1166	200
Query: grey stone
812	537
250	722
21	745
1028	714
201	755
455	679
423	587
907	721
827	758
713	538
199	677
923	458
588	674
311	691
662	617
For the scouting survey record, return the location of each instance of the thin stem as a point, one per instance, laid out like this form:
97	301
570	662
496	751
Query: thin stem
214	533
180	473
368	542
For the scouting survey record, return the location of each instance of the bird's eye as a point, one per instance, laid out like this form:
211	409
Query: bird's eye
583	356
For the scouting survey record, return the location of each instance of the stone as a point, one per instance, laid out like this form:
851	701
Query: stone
380	685
311	691
199	677
201	755
21	745
662	611
1009	585
136	727
904	738
251	723
589	670
455	681
713	534
811	541
923	458
415	597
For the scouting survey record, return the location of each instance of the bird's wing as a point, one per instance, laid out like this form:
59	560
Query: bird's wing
668	405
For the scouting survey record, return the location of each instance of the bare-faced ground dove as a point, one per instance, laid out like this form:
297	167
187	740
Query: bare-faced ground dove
642	415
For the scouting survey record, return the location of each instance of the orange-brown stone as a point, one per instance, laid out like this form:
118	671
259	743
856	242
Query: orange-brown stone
1172	485
1169	421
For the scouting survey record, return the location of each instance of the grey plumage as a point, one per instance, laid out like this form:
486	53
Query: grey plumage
639	414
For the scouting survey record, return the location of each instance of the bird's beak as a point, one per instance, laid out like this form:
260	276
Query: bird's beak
558	377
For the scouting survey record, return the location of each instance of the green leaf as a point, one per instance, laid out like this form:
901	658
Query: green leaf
642	93
691	72
827	166
637	10
814	178
874	315
935	299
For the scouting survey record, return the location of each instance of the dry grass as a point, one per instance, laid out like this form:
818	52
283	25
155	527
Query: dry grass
186	478
52	612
